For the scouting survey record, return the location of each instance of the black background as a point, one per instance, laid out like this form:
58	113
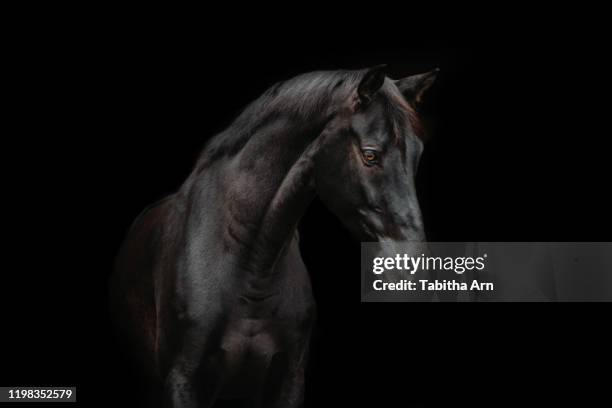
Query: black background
108	117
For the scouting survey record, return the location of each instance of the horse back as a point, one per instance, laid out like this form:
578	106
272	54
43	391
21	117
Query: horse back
132	286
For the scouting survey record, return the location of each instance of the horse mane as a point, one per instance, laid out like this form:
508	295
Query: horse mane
304	97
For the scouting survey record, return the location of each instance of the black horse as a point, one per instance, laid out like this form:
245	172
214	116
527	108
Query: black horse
210	288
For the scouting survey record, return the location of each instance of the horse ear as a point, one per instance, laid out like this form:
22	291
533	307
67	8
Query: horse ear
413	87
371	82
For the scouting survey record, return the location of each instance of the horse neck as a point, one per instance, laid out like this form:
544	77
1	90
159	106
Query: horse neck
269	186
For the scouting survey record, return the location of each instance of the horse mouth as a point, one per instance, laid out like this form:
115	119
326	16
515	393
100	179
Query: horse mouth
252	298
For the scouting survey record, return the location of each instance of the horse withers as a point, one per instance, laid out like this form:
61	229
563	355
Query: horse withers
210	290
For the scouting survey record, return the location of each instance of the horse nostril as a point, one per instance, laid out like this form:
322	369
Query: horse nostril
378	210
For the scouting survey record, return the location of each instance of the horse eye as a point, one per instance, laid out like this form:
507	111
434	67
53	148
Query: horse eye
370	156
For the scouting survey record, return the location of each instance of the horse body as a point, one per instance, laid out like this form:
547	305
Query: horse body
186	270
210	288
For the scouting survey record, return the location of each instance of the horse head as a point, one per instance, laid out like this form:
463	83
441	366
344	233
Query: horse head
365	170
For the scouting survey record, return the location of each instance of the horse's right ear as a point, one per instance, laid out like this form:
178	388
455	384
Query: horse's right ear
371	82
413	87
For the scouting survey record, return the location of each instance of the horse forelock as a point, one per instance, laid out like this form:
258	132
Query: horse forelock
401	114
